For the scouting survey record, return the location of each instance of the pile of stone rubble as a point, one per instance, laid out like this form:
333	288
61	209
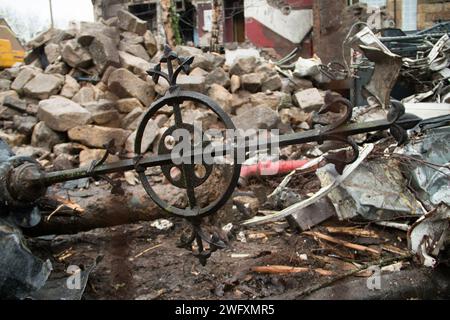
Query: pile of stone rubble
80	88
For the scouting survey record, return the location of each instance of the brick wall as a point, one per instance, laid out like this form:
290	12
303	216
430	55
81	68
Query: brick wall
431	11
428	12
394	10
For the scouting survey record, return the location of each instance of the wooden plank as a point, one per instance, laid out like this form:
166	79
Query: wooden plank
276	269
354	231
342	242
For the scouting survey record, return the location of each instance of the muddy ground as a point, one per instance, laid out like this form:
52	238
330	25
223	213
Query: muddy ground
169	272
129	270
139	261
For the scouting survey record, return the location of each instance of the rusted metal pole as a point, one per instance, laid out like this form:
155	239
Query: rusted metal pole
51	13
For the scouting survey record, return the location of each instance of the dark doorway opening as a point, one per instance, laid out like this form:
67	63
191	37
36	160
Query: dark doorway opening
234	26
187	20
147	12
110	8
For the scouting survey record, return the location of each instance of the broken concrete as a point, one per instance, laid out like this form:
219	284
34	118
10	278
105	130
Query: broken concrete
221	95
261	117
43	86
125	84
71	148
275	100
244	66
5	84
85	95
24	124
63	162
131	23
75	55
252	82
90	30
136	50
131	38
70	87
98	137
272	83
103	113
44	137
89	155
235	83
62	114
309	100
192	83
187	51
15	103
133	63
132	119
129	104
150	43
59	68
207	61
53	52
150	134
218	76
25	75
104	53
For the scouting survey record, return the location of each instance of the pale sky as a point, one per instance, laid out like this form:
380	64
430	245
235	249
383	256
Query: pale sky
64	11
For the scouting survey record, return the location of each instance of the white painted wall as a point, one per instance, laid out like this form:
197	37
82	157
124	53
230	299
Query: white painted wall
293	27
374	3
409	15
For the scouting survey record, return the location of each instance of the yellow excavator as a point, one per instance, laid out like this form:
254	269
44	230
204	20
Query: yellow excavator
11	50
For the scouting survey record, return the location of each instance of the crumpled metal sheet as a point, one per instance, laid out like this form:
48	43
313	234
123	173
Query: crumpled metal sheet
57	287
387	65
387	69
20	271
430	182
5	151
375	190
427	236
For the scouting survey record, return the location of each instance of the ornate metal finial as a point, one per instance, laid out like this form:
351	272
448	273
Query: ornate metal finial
184	64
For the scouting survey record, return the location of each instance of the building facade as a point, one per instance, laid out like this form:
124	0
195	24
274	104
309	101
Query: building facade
278	24
411	15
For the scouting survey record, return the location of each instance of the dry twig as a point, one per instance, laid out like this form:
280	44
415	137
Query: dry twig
344	243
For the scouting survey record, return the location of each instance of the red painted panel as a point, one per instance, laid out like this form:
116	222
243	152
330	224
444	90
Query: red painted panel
255	32
263	37
228	30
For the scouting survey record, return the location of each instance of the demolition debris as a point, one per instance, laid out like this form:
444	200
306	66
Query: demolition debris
83	94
